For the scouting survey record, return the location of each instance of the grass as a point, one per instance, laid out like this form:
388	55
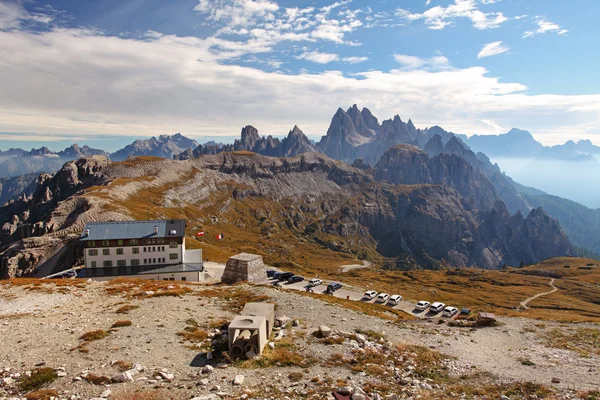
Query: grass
143	395
39	378
295	376
42	394
144	288
279	357
126	308
193	333
94	335
122	366
233	298
48	286
121	323
516	390
585	341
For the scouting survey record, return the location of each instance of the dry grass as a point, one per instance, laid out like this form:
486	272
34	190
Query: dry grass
591	395
39	378
144	395
517	390
585	341
122	366
193	333
279	357
42	394
121	323
143	288
48	286
234	298
97	379
126	308
94	335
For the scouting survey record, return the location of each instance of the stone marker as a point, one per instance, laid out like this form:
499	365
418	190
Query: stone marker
245	267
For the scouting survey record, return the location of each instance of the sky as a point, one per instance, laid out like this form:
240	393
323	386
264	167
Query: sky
104	72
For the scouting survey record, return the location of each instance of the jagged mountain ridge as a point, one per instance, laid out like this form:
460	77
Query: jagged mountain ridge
165	146
309	197
293	144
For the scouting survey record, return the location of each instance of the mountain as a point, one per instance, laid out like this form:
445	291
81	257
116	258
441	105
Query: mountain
19	162
11	188
301	204
515	143
293	144
165	146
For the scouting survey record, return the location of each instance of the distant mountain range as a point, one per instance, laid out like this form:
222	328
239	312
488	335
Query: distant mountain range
518	143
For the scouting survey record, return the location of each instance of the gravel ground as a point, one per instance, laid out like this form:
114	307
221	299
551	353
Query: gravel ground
44	328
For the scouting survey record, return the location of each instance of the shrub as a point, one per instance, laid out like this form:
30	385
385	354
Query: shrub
295	376
122	366
94	335
42	394
97	379
126	308
121	323
38	379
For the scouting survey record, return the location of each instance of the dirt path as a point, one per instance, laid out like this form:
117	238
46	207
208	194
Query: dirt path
365	264
554	289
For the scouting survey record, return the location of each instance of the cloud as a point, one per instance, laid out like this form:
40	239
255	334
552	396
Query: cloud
439	17
355	60
77	82
413	62
543	26
492	49
319	58
13	15
236	12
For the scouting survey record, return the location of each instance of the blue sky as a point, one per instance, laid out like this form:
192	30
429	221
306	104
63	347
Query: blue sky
103	72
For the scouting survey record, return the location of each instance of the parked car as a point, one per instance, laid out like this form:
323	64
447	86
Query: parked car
465	311
450	311
422	305
276	275
437	307
285	276
333	286
315	282
395	299
271	273
295	279
382	298
370	295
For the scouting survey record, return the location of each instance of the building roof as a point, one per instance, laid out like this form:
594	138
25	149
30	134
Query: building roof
171	269
486	315
133	230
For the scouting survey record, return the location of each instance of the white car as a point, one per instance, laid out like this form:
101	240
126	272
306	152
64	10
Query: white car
315	282
395	299
437	307
370	295
450	311
382	298
422	305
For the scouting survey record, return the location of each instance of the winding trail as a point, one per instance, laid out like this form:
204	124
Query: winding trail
554	289
365	264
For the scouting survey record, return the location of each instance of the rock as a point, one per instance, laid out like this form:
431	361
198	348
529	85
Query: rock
207	397
123	377
360	338
204	382
209	355
345	390
166	375
282	321
555	380
238	380
325	331
271	345
295	323
358	396
208	369
392	397
105	394
6	381
503	397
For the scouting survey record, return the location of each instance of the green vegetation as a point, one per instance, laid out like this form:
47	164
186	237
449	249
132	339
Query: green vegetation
39	378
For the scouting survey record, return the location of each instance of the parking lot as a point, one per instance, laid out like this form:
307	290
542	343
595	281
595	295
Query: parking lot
356	295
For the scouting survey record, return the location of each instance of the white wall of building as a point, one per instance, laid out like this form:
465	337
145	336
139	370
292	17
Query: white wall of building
128	255
191	276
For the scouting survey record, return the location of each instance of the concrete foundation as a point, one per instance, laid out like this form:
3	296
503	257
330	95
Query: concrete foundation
245	267
249	332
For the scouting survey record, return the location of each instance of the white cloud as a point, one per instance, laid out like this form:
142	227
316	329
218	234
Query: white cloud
319	58
439	17
81	82
492	49
543	26
13	15
236	12
414	62
355	60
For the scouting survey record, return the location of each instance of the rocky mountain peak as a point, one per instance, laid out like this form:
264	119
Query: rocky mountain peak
434	146
370	121
249	137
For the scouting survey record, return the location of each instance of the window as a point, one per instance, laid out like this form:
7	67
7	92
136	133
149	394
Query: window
144	249
145	261
93	252
105	243
119	251
183	278
119	242
105	252
107	263
165	279
133	241
92	243
154	261
172	245
135	250
163	248
121	263
153	248
163	259
171	279
173	256
135	261
93	264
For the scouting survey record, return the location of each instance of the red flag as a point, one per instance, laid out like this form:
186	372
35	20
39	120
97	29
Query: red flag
201	233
